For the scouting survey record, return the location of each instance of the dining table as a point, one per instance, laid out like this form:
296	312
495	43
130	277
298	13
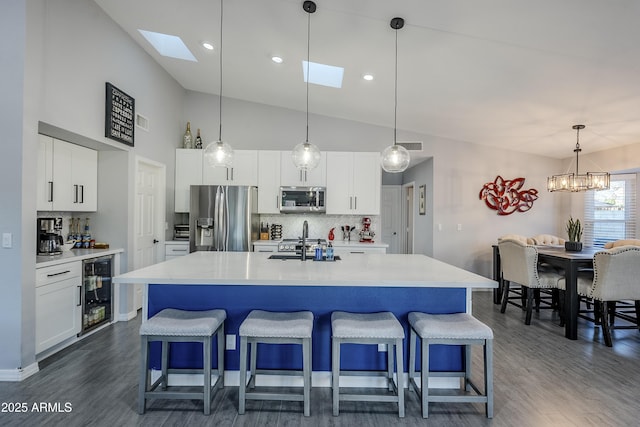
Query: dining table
569	261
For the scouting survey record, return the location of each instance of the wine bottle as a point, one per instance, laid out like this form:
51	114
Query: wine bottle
198	141
187	139
86	236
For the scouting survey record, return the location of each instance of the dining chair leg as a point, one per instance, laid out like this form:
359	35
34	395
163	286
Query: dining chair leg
606	329
638	314
505	296
561	307
527	319
536	295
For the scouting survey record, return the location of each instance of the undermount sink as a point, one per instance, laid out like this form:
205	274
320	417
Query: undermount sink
284	257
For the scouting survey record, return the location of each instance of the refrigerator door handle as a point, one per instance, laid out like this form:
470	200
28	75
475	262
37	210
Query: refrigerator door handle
225	222
217	219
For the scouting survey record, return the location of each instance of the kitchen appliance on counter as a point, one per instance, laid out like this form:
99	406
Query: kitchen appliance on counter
302	199
223	218
97	308
366	233
295	245
49	235
181	232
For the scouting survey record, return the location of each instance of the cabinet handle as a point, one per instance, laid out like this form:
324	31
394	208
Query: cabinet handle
356	252
227	169
355	202
305	176
75	193
300	175
350	202
231	174
82	194
178	250
50	198
58	274
79	296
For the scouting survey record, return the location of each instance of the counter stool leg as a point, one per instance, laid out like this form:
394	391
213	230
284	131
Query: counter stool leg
221	348
389	367
412	357
253	350
306	368
144	372
467	368
206	368
400	369
424	374
165	363
335	375
243	375
488	375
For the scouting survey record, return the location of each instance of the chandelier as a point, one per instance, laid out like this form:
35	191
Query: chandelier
575	182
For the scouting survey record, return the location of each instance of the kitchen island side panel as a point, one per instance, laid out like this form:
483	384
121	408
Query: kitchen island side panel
239	300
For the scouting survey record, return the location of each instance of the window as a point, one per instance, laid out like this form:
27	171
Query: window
611	214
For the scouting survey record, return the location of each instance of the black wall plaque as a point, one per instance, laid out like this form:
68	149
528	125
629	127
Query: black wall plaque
119	117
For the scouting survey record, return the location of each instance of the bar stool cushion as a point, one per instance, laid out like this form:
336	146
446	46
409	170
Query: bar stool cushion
267	324
449	326
366	325
183	323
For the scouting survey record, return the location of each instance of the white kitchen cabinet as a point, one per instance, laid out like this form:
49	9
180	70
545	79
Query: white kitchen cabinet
265	246
354	184
188	172
243	172
268	182
290	176
355	249
58	311
174	249
67	177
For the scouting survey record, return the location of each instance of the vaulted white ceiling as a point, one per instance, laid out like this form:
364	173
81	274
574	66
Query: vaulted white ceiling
515	74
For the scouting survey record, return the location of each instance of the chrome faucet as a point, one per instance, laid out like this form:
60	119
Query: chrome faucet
305	236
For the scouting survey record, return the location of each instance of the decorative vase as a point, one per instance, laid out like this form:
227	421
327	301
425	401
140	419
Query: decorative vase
573	246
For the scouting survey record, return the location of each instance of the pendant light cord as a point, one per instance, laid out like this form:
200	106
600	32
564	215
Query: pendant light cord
308	49
220	100
395	89
577	150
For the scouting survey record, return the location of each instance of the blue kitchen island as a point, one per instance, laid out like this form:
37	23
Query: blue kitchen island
243	281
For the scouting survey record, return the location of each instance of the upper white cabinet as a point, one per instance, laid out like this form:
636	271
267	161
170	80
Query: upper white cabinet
243	172
67	177
290	176
268	182
188	173
354	184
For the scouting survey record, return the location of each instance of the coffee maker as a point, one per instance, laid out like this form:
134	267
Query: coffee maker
49	236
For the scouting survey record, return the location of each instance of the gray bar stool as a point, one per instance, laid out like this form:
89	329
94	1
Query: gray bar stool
275	328
367	328
172	325
450	329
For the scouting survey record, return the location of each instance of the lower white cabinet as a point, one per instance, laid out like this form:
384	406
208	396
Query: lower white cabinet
174	249
351	249
265	246
58	304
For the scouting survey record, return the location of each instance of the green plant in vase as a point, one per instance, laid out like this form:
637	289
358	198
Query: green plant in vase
574	231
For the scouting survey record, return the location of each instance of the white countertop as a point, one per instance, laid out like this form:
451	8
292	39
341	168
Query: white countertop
254	268
334	243
74	255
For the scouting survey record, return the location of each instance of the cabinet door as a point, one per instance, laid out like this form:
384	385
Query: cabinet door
268	182
63	191
243	172
84	177
188	172
44	189
367	181
175	249
58	311
291	176
339	183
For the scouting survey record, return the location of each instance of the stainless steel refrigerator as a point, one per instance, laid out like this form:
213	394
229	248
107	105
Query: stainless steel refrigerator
223	218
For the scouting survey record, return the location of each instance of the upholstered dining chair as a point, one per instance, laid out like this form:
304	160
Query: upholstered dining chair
625	242
547	239
524	239
616	272
519	263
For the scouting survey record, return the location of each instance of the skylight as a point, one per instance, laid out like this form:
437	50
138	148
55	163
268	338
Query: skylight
322	74
168	45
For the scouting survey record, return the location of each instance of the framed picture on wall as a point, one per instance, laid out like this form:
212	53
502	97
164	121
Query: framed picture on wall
421	200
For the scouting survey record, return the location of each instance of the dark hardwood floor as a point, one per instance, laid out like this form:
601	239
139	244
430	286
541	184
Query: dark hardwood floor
541	379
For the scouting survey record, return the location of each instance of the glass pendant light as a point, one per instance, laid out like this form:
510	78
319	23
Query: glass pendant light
395	158
306	156
219	153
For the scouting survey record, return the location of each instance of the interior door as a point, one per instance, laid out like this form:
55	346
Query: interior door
149	219
391	206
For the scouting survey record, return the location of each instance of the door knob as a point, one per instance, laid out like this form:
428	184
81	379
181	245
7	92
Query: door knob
155	241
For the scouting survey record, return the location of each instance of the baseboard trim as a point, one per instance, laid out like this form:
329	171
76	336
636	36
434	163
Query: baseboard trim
318	379
125	317
19	374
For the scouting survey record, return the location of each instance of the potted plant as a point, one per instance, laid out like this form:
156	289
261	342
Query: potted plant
574	230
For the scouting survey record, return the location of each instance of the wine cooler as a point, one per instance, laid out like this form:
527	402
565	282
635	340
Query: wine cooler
97	294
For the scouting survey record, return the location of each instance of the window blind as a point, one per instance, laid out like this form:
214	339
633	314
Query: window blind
611	214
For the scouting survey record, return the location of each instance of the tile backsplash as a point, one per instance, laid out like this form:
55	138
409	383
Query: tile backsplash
319	224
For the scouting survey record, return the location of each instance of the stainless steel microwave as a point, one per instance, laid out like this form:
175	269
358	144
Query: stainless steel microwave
302	199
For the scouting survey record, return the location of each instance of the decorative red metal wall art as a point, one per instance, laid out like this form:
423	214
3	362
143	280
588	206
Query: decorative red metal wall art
506	196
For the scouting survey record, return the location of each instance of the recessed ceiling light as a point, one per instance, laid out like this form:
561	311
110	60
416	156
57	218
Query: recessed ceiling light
168	45
368	77
322	74
207	45
277	59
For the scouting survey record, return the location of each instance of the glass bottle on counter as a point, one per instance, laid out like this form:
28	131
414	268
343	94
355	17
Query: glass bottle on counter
86	236
330	252
198	141
78	234
187	139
